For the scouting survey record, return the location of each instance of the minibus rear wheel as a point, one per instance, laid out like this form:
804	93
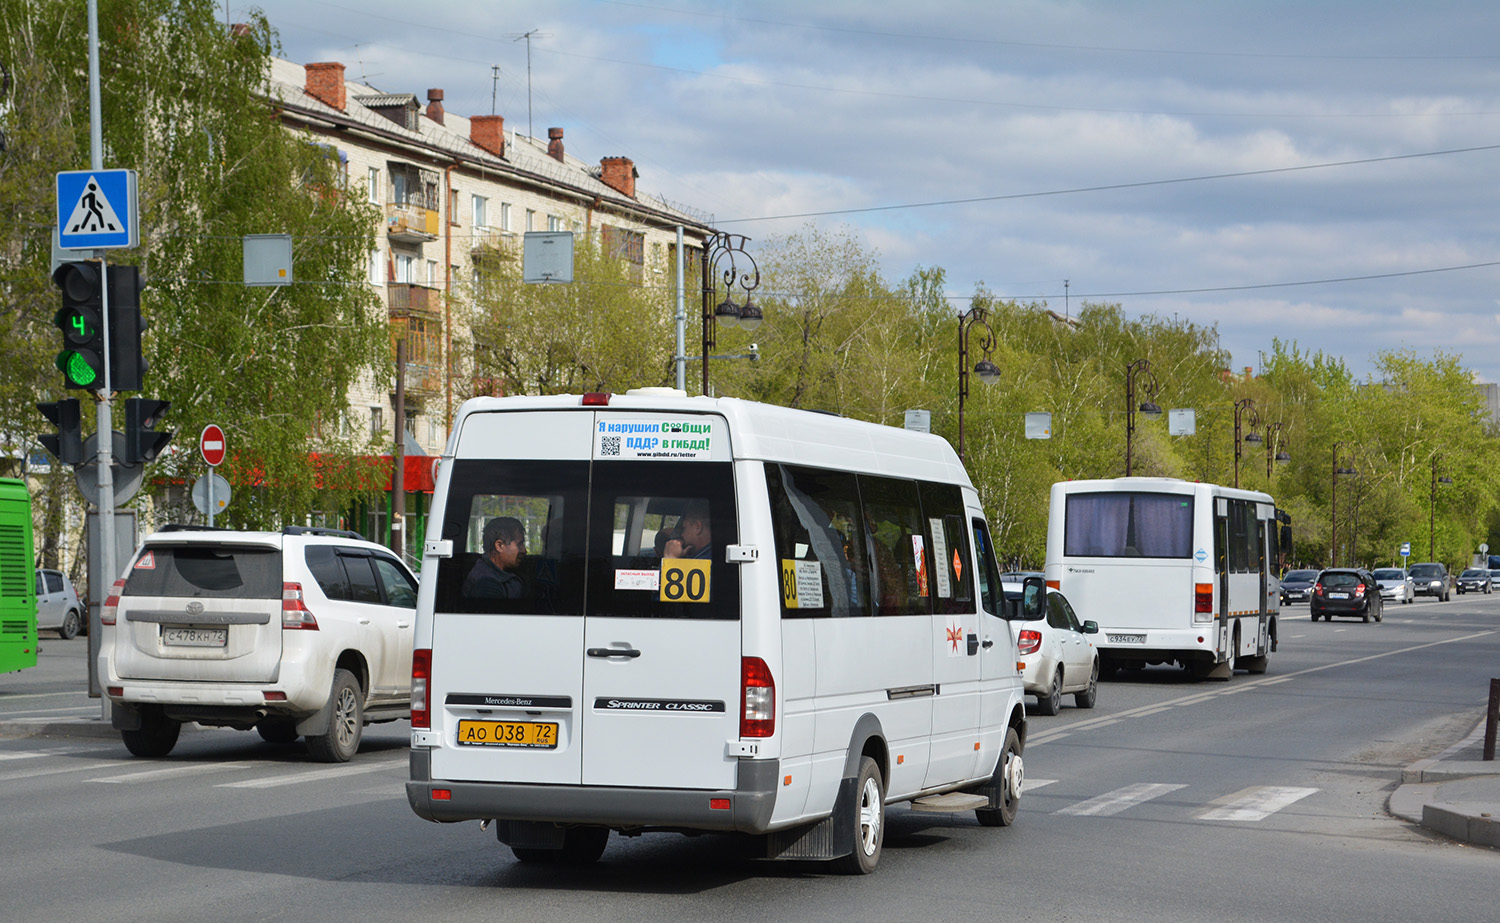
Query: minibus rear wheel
869	820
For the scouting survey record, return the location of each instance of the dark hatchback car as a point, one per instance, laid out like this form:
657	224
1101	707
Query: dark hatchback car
1430	580
1296	586
1346	591
1474	580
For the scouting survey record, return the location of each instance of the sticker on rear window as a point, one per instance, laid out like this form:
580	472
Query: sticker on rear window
637	580
146	561
690	440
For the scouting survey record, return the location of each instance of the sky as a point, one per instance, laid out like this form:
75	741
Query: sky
1319	172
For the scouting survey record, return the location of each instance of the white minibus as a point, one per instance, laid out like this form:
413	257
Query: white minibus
1171	570
649	612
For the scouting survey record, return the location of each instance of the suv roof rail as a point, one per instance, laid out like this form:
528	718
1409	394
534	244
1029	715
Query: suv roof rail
320	530
192	527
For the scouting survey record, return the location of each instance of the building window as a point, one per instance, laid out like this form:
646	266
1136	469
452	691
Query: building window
377	422
554	223
432	274
530	219
481	205
377	277
374	185
404	269
622	244
505	216
453	207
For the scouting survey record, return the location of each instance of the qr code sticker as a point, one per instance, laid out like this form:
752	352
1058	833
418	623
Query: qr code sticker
609	445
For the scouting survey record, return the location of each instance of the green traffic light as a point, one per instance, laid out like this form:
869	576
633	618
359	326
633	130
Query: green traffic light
79	371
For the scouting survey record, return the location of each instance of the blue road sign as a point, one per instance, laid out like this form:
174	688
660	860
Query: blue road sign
96	210
1406	549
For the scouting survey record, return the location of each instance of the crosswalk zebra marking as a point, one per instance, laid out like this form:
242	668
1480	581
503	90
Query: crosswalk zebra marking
1253	804
152	775
334	772
1121	799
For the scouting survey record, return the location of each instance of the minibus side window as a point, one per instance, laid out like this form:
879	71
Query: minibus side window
952	577
545	503
816	523
988	575
900	563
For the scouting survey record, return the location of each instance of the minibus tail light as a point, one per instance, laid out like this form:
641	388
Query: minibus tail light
757	698
111	608
1203	602
1029	642
421	684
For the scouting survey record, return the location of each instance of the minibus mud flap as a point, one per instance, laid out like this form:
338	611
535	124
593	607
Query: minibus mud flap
830	838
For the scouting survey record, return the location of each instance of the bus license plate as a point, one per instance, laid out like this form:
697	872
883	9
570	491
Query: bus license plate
532	735
1127	639
195	637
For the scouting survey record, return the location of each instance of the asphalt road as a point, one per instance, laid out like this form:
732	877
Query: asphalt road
1258	799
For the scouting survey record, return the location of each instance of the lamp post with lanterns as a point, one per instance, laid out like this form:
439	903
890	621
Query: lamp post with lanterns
1333	515
1432	509
724	254
1278	456
1252	437
988	372
1147	407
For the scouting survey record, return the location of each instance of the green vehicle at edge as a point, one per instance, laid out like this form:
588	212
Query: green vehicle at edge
18	645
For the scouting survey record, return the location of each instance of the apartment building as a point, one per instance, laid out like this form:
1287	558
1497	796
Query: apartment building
454	192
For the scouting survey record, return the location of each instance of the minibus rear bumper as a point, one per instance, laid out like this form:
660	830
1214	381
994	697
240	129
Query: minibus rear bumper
746	808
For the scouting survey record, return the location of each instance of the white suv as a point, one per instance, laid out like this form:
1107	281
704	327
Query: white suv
299	633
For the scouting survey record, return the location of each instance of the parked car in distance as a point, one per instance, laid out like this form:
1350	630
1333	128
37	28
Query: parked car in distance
1474	580
300	633
58	607
1346	591
1296	586
1430	580
1056	654
1395	583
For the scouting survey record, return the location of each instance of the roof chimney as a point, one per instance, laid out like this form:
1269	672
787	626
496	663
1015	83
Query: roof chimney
619	174
488	131
435	105
554	144
239	30
325	83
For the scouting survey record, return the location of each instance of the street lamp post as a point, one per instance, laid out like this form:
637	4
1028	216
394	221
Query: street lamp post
1252	437
1432	509
718	248
1280	457
987	371
1333	514
1147	407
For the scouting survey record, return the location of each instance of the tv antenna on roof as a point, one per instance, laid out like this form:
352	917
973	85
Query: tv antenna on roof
494	83
527	36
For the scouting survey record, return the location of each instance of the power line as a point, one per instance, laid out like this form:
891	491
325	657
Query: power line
1114	186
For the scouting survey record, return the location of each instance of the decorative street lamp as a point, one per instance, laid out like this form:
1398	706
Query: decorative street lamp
1432	509
1333	515
1273	433
988	372
1147	407
718	248
1252	437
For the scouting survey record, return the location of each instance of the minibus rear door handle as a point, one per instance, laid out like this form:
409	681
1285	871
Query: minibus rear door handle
988	643
613	652
973	644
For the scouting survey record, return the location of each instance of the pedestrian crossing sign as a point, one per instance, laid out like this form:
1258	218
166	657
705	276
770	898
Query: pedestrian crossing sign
96	210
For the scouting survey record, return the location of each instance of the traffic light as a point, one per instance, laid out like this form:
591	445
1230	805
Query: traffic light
142	442
80	319
126	367
67	444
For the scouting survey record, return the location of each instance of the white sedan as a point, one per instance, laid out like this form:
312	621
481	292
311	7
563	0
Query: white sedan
1057	656
1395	584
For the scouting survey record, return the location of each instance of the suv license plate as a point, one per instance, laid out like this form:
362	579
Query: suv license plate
531	735
195	637
1127	639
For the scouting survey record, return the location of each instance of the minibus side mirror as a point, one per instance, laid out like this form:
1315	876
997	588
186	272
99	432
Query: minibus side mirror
1033	598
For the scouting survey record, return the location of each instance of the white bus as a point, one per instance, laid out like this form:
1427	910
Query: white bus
1171	570
649	612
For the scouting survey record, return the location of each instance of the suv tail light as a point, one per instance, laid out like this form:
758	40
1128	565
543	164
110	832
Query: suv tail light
421	683
1359	591
757	698
294	613
1029	642
111	608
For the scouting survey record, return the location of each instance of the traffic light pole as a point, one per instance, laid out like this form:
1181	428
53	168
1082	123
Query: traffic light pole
106	427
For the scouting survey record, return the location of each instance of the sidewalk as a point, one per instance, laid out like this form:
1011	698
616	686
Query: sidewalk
1454	793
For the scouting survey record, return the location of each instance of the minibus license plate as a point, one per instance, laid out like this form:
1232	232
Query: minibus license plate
534	735
1127	639
195	637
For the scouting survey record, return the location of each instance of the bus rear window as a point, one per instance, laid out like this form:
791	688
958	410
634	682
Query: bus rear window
1128	525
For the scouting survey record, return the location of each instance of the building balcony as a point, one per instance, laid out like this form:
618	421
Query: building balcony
408	300
494	244
408	223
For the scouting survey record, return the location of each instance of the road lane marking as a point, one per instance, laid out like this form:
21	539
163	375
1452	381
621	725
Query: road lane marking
56	770
152	775
1031	785
335	772
1253	804
1121	799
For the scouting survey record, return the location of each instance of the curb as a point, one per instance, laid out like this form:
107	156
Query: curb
1420	797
